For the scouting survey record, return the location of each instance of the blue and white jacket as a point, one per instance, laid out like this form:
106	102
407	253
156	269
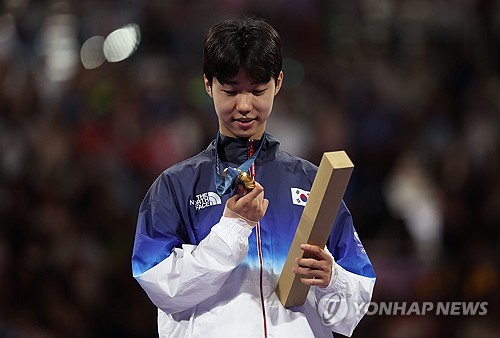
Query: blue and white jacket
203	271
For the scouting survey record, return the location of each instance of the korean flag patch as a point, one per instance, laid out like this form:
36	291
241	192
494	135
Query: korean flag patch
299	196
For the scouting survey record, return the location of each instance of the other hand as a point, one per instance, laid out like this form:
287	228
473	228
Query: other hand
316	269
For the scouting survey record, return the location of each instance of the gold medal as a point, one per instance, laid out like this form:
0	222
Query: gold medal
247	180
243	178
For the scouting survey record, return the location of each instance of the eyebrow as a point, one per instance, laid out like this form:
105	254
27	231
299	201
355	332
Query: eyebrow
232	82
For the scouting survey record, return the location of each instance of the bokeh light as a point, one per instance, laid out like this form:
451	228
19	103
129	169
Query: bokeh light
92	54
58	47
121	43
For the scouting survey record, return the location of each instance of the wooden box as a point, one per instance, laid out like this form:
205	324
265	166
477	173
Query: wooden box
316	221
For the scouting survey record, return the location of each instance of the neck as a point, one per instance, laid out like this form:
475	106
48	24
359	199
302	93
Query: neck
256	136
235	149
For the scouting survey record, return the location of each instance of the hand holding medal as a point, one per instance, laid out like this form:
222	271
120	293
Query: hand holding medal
244	174
250	205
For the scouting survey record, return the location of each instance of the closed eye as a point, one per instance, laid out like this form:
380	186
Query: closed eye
230	92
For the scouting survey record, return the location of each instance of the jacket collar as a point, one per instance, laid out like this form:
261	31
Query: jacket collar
235	150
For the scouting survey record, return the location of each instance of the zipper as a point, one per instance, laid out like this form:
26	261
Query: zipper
259	247
261	268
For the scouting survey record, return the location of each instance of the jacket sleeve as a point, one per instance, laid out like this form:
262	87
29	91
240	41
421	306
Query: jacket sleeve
344	302
193	273
177	271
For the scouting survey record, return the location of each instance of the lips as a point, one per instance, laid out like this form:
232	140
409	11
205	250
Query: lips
244	119
245	123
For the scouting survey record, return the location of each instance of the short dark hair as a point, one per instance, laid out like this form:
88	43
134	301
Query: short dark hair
250	43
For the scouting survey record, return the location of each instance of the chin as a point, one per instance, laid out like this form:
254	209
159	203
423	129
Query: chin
246	134
242	133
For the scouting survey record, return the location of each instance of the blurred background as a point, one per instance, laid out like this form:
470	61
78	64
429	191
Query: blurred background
410	89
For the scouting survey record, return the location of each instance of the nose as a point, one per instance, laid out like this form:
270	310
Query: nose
244	103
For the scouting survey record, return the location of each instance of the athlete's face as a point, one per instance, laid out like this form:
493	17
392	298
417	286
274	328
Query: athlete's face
242	106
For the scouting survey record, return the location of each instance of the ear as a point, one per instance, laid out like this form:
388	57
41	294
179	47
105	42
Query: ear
279	82
208	88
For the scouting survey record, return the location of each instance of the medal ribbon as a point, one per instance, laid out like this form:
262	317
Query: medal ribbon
251	151
222	184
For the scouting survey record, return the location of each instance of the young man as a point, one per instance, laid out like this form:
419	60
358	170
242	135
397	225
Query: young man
209	254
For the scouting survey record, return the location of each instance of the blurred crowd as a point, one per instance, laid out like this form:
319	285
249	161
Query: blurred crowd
410	89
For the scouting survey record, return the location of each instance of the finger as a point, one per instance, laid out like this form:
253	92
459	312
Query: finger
308	281
306	272
255	191
317	251
236	196
319	282
240	190
253	198
312	277
312	263
320	278
318	269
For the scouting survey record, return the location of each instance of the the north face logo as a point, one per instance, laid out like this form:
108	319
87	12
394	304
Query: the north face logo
204	200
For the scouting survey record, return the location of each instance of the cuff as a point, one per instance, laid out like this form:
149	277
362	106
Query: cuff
339	278
232	227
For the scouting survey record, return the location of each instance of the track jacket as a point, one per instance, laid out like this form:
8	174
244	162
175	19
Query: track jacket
213	276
